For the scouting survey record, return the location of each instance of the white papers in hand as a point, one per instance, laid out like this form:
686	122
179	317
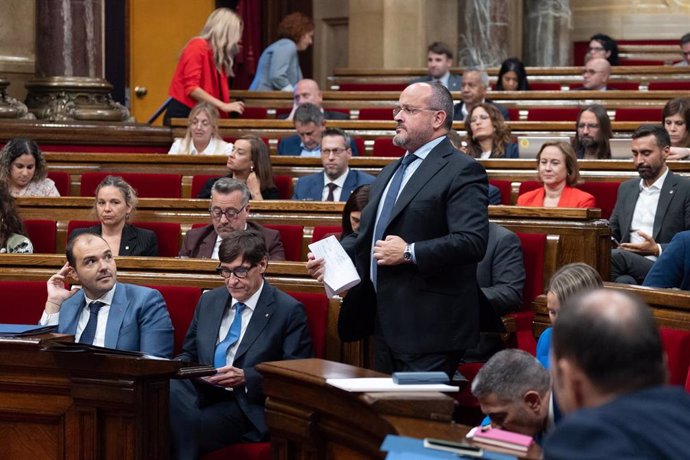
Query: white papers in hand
385	384
339	272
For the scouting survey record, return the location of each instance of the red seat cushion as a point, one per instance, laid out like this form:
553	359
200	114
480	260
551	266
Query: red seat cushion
245	451
23	302
259	113
168	235
504	187
320	231
465	397
181	302
198	182
291	236
383	147
544	86
376	114
552	113
528	186
316	307
625	85
43	235
677	346
146	185
372	87
62	182
678	85
651	114
605	194
74	224
361	149
92	148
514	113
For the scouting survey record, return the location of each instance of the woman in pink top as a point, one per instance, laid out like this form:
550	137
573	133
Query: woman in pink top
558	172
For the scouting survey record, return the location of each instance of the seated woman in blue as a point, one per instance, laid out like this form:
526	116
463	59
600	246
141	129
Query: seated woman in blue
568	281
488	136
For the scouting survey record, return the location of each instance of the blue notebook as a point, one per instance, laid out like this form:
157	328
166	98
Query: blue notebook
23	330
405	448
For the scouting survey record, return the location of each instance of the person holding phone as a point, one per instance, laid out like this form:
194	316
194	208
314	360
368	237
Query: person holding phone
104	312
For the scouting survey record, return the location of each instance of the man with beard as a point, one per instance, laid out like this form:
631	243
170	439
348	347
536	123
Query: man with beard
337	180
649	211
419	241
593	128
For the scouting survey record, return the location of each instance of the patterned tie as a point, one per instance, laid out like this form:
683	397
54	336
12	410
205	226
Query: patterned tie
387	210
331	188
89	332
220	357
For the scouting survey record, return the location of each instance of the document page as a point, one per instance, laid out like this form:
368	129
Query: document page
339	271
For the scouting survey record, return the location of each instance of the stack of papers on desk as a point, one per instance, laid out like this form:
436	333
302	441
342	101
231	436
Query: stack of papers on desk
385	384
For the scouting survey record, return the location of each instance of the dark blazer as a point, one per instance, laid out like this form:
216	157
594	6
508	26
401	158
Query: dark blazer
327	114
138	320
672	269
457	111
672	213
199	242
454	81
494	194
267	193
311	187
433	305
134	241
647	424
290	145
277	331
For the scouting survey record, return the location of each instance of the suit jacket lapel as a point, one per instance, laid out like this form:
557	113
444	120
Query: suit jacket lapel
629	202
260	318
115	316
375	196
207	244
348	185
207	333
667	193
70	311
128	241
317	186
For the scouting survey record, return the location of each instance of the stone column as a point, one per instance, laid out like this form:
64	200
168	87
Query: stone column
69	83
548	27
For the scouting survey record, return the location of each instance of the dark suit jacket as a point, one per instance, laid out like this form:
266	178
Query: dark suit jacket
328	115
138	320
199	242
457	112
672	213
494	194
291	146
311	187
134	241
454	81
672	269
433	305
277	331
647	424
267	193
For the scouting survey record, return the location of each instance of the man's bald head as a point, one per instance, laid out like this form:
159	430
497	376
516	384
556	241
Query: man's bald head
307	90
596	73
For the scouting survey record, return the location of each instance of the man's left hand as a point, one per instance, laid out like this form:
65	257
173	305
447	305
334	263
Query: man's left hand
390	251
648	247
227	376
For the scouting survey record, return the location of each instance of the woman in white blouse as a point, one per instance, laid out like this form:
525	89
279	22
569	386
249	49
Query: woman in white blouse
202	134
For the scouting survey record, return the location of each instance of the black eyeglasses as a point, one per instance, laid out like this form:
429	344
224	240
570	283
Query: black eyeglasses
239	272
230	213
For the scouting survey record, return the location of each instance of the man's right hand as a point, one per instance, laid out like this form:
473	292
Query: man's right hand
315	267
57	293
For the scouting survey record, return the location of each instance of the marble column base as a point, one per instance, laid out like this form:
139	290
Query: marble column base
11	107
74	98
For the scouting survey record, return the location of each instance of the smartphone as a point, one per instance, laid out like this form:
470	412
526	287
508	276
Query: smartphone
459	448
615	242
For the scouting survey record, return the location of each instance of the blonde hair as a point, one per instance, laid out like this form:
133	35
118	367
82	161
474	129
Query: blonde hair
223	30
574	279
212	114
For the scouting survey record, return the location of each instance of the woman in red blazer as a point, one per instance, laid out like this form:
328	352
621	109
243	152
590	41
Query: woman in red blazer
205	63
558	172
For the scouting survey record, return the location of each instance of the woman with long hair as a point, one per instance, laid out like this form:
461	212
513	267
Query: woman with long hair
278	68
512	76
676	119
23	169
204	66
487	134
202	134
12	233
250	163
116	200
352	211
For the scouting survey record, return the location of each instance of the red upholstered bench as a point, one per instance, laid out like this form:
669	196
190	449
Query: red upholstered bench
291	236
372	86
678	85
146	185
62	182
504	187
383	147
553	114
198	182
376	114
651	114
258	113
23	302
94	148
321	231
167	233
545	86
181	302
43	235
284	186
605	194
677	346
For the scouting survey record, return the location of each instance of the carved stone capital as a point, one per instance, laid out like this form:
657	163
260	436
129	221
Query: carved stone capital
11	107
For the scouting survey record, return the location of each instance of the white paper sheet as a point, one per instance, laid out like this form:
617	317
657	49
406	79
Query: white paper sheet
385	384
339	271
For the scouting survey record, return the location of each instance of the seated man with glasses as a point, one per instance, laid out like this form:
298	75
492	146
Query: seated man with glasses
235	327
595	75
593	133
337	180
229	211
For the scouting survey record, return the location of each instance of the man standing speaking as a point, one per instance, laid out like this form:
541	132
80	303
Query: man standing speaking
419	242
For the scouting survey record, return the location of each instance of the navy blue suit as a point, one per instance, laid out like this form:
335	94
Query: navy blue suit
457	112
291	145
454	81
204	417
647	424
672	269
311	187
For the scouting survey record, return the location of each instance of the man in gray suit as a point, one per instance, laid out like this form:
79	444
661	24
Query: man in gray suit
649	211
235	327
439	60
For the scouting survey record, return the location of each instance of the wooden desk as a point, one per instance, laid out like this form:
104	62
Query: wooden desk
310	419
82	405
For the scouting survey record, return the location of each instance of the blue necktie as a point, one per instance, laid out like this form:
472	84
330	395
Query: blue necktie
220	357
388	203
89	332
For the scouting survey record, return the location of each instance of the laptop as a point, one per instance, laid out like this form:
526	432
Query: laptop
621	149
530	145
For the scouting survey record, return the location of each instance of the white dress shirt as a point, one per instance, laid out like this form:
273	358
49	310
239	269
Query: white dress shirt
228	318
216	146
645	210
340	181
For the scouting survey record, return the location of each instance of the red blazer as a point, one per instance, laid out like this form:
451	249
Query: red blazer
571	197
196	69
